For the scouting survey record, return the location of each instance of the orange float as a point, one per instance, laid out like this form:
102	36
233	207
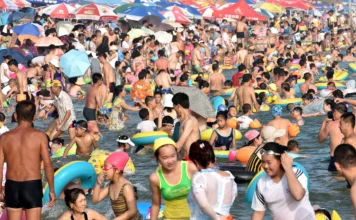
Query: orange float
244	154
255	124
293	130
20	97
233	123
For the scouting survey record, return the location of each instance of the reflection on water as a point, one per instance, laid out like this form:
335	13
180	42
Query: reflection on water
324	191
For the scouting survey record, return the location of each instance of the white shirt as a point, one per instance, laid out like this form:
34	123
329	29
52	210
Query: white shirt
146	126
4	78
3	129
63	103
244	121
278	199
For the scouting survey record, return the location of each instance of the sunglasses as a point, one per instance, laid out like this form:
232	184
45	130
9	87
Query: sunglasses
106	167
269	152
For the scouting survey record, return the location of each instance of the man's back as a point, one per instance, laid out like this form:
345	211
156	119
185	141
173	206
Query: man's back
90	101
216	81
163	80
161	64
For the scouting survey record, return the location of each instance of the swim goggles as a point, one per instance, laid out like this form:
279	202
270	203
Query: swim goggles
269	152
78	126
168	124
106	167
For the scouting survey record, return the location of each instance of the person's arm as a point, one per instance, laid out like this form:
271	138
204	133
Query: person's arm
295	187
65	119
350	101
188	128
124	105
95	144
212	138
6	73
324	131
96	215
48	167
98	193
20	83
156	196
69	147
50	111
233	144
235	98
98	100
131	211
2	161
255	103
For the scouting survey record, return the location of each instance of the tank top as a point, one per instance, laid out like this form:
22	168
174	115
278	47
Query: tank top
224	140
119	205
175	196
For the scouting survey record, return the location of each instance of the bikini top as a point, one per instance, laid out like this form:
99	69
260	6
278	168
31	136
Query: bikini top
84	213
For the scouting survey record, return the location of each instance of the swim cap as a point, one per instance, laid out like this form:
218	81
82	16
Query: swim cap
251	134
118	160
277	110
221	108
159	142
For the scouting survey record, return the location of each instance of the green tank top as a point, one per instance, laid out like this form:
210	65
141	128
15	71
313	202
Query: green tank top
175	196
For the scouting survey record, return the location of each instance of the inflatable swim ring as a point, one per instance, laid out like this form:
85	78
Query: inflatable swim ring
252	186
193	77
60	151
352	67
232	122
293	130
229	91
240	174
227	67
258	91
321	86
294	67
87	80
145	138
284	102
206	134
255	124
244	154
74	170
128	87
300	81
221	153
216	101
338	76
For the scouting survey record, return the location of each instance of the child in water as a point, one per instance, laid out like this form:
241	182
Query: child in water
83	139
223	138
124	143
120	191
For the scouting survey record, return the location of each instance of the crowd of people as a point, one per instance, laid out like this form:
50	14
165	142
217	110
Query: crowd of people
188	177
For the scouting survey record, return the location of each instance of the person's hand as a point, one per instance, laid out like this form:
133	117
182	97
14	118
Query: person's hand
100	179
52	201
223	148
59	127
287	161
339	100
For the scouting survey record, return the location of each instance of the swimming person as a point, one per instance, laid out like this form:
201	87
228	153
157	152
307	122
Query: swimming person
283	190
280	123
347	128
345	162
213	191
223	137
22	149
171	181
75	200
120	191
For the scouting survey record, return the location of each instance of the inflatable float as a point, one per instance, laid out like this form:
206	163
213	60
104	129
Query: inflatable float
338	76
206	134
145	138
193	78
221	153
294	67
216	101
128	87
74	170
321	86
252	186
60	151
285	102
229	91
240	174
258	91
352	67
244	154
145	210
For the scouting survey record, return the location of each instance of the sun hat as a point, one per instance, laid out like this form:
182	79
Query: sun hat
251	134
167	102
270	133
56	83
159	142
54	63
277	110
125	140
80	81
118	160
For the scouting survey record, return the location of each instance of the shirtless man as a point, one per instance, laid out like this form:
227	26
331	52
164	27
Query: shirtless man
51	54
174	60
163	79
33	72
93	101
111	35
347	128
241	54
307	84
99	38
245	94
151	106
300	50
162	63
281	46
216	80
280	123
21	81
330	127
189	129
23	149
83	139
349	57
109	76
196	60
241	28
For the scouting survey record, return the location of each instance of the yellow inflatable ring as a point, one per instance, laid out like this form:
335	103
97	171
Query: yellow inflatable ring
284	102
206	134
321	86
145	138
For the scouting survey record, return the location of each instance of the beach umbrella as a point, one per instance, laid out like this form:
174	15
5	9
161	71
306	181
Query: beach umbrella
137	13
264	12
15	16
8	5
22	3
188	10
135	33
27	31
176	15
77	68
64	28
58	11
198	101
152	19
46	41
66	40
293	4
126	6
148	31
271	7
40	28
163	37
163	27
18	54
95	12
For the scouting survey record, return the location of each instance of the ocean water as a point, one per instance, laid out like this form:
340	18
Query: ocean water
325	191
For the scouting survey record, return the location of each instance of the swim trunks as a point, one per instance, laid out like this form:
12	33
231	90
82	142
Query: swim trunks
26	194
213	91
197	69
332	166
166	91
112	87
89	114
240	35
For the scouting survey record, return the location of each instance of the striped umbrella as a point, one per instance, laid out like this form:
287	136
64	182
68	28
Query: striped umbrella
58	11
8	5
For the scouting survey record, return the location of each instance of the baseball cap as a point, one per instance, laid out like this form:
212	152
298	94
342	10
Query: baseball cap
270	133
118	160
159	142
251	134
56	83
277	110
124	140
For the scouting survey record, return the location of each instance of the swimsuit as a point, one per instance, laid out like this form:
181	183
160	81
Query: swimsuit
240	35
224	140
166	91
112	87
84	213
332	166
89	114
24	194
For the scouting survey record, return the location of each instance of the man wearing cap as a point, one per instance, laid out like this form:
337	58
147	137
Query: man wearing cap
280	123
64	105
4	71
245	94
21	82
